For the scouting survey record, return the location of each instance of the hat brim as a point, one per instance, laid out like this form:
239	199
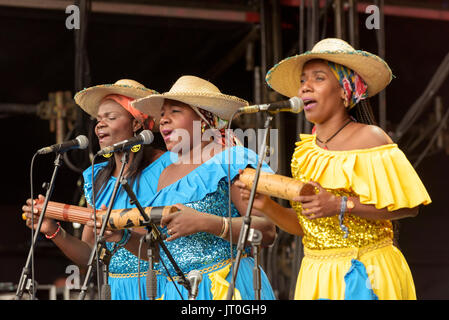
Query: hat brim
285	76
221	105
89	99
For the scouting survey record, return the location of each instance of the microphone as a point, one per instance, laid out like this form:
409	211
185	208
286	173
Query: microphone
145	137
194	277
295	105
80	142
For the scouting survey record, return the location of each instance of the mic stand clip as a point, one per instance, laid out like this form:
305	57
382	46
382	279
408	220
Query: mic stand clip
255	238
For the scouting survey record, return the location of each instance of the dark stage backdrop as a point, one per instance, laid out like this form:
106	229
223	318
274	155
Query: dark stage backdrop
37	57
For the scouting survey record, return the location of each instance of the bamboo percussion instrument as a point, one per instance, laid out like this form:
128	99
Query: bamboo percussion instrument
276	185
118	219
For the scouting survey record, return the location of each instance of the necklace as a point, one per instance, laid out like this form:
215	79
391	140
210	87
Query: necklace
326	141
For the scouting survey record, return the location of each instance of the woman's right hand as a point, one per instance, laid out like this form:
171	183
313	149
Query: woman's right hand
48	226
260	200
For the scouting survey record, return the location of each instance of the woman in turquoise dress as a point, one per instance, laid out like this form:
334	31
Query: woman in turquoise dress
197	183
117	120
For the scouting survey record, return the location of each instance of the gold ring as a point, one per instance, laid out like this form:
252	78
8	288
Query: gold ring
24	216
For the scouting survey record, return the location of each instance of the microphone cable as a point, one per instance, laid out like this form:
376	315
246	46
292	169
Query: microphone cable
229	187
97	258
32	227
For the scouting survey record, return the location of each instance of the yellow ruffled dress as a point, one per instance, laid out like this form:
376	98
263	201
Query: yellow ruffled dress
381	176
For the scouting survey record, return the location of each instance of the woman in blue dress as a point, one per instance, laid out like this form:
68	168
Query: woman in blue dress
117	120
197	183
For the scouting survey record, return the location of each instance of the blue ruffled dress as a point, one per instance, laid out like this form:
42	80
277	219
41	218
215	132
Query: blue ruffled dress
206	189
123	266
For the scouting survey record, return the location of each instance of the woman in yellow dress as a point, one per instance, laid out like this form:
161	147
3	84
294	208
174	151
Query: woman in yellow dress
363	180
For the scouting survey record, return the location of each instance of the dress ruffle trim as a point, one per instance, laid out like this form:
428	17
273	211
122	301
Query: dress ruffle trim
220	286
204	179
381	176
149	176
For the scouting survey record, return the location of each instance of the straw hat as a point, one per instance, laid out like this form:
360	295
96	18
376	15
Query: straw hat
89	99
285	76
195	92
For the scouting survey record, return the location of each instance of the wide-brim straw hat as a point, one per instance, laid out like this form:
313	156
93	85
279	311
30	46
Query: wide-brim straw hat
195	92
285	76
90	98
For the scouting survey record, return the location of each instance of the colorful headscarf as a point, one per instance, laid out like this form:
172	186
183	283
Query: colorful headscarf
215	122
354	86
146	121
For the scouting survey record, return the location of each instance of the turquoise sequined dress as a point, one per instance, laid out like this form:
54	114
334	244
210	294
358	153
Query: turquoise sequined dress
206	189
123	266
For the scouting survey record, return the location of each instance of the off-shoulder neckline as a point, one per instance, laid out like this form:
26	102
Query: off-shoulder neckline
312	139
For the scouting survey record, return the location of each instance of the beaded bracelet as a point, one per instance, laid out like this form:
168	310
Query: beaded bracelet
344	228
56	232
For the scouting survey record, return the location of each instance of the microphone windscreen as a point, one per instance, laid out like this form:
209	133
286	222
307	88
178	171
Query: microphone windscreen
83	141
147	136
195	274
297	104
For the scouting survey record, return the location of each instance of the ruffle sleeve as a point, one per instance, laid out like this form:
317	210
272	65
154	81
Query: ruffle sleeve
147	185
205	178
381	176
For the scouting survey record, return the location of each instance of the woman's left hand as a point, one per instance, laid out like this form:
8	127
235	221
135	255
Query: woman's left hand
323	204
109	235
182	223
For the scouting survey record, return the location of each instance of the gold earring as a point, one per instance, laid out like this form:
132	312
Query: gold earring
203	127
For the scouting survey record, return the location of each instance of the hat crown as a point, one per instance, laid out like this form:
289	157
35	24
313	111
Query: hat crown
332	44
193	84
129	83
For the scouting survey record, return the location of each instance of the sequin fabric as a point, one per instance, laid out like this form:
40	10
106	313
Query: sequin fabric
326	233
124	262
202	249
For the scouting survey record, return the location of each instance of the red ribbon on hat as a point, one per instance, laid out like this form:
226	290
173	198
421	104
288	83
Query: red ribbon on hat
146	121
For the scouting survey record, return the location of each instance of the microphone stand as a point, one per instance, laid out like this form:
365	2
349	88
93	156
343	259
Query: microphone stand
26	270
243	236
255	237
154	238
100	246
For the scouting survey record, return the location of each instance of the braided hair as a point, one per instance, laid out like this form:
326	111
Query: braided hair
363	113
